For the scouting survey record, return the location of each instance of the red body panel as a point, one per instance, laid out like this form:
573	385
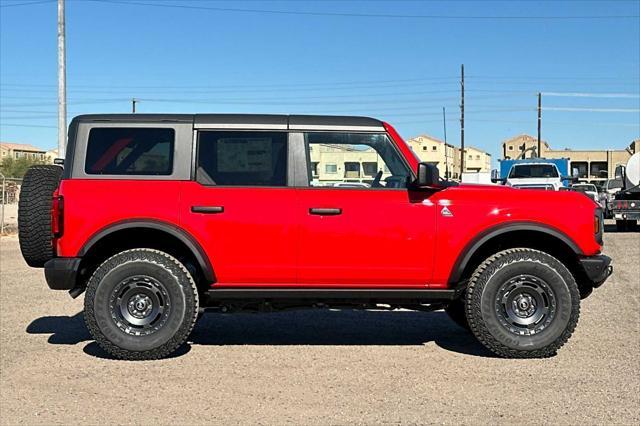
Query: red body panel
479	208
253	241
266	236
93	204
381	238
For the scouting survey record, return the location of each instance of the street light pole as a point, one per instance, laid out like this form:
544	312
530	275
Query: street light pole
62	83
539	125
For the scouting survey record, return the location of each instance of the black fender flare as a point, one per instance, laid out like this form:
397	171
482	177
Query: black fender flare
474	245
187	239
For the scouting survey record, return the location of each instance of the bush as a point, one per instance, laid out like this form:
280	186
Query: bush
16	168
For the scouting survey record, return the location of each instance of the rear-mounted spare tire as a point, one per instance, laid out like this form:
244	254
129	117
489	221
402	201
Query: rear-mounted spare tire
34	214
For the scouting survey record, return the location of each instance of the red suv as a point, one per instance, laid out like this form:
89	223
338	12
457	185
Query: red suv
158	217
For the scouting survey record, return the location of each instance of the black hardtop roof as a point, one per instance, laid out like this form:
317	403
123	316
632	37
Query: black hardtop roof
239	120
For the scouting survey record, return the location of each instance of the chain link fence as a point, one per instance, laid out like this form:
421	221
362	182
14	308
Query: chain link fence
9	197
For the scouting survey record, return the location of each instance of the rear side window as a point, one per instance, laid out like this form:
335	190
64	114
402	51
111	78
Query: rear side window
242	158
130	151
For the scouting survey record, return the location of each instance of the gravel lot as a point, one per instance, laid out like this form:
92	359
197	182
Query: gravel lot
317	367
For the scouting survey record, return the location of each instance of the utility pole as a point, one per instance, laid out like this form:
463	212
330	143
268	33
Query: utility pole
133	105
62	83
539	125
462	120
446	157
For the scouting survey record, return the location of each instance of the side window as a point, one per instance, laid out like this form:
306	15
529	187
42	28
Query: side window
582	168
129	151
242	158
356	160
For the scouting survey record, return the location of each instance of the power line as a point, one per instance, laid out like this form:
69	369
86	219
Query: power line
572	109
248	86
370	15
593	95
26	125
26	3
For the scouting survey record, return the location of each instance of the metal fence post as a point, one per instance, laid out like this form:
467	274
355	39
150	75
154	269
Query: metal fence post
3	200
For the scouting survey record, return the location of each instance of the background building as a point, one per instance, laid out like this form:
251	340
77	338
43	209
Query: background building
19	150
331	164
447	156
593	165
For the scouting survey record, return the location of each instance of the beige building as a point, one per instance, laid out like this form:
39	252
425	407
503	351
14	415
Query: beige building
447	156
594	165
331	164
51	155
19	150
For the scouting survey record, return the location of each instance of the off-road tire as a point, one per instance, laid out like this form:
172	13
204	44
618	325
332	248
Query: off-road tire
482	306
182	297
457	312
34	214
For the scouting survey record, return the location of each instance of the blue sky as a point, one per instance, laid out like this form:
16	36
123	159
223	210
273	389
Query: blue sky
401	69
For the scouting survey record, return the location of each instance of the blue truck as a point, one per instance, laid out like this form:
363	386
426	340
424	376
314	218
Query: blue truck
536	173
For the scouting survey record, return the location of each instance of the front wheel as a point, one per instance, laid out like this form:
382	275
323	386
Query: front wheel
522	303
141	304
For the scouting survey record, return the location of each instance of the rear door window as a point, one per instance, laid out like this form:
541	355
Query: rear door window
242	158
130	151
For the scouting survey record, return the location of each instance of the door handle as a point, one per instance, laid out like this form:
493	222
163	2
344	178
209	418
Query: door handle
207	209
325	211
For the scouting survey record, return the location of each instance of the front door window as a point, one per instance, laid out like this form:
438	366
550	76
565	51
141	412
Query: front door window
362	160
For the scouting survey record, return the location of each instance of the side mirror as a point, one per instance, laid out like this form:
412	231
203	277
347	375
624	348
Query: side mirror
499	180
428	176
575	173
619	173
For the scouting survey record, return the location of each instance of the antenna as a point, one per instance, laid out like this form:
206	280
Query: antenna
446	158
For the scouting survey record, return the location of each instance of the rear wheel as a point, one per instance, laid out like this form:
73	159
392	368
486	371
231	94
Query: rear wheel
141	304
34	214
522	303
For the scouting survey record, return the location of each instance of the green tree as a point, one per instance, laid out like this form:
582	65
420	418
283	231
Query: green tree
16	168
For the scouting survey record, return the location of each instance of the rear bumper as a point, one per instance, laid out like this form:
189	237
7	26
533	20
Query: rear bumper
625	214
597	269
61	272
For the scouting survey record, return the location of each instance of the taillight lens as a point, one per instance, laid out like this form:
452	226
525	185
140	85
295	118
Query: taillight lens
598	225
57	210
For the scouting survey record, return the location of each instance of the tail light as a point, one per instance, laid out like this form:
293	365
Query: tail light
598	225
57	214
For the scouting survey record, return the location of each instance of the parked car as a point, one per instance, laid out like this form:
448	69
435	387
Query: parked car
625	206
535	175
589	190
550	174
609	189
351	185
157	217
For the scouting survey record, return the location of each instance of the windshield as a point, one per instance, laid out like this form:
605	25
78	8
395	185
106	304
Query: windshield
585	188
533	171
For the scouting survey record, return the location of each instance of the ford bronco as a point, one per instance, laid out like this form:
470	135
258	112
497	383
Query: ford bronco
161	217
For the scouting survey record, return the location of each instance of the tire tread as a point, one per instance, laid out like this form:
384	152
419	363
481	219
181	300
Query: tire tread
473	303
34	214
164	260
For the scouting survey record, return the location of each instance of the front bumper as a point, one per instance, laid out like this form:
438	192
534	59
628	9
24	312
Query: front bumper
61	272
597	269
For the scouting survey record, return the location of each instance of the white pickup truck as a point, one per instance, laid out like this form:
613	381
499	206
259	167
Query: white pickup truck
535	176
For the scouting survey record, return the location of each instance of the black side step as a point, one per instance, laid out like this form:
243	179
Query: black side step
382	295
